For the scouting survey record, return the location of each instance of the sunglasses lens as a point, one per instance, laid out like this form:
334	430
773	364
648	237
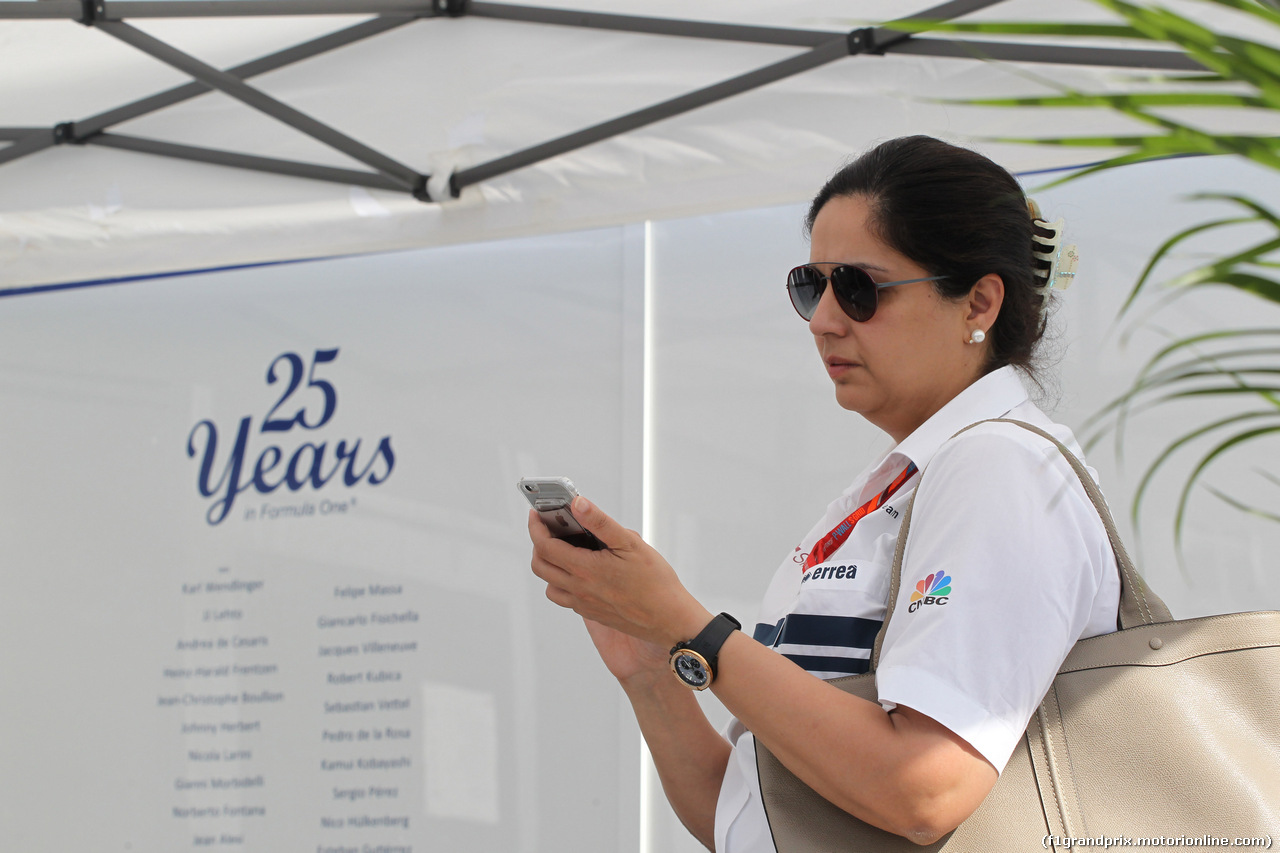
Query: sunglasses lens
805	286
855	291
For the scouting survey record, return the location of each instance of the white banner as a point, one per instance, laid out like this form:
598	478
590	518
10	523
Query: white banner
266	569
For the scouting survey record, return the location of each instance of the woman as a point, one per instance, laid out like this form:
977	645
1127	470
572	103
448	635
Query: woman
923	298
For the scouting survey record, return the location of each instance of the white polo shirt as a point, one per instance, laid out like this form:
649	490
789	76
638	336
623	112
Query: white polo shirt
1007	565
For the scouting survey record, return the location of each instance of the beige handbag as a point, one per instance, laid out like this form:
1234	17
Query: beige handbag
1163	730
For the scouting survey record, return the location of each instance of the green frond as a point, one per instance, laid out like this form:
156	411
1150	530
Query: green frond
1204	337
1221	391
1242	201
1168	246
1020	28
1148	377
1120	101
1221	274
1211	365
1231	380
1251	7
1150	78
1243	507
1126	406
1180	140
1173	447
1112	163
1205	461
1260	62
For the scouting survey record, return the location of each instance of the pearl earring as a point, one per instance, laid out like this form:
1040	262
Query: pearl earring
977	336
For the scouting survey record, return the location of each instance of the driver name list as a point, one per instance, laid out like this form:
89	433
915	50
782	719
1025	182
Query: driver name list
233	693
219	679
367	639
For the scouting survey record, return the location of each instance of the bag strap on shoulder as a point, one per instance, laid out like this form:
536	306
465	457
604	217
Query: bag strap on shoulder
1138	604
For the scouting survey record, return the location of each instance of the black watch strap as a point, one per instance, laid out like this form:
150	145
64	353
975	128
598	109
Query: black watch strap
709	640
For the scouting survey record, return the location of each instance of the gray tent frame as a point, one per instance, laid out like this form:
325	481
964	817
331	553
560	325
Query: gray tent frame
823	47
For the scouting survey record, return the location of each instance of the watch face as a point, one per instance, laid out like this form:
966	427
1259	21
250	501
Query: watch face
690	668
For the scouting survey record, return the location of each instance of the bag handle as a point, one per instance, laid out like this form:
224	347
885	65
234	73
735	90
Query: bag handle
1138	604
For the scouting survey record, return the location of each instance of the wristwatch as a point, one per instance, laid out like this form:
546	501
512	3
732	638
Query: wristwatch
694	661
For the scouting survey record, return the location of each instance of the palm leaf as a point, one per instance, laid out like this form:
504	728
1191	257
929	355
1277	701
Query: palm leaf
1241	388
1197	363
1119	101
1212	367
1231	58
1251	7
1214	364
1169	245
1221	391
1205	337
1166	78
1244	201
1180	140
1019	28
1221	448
1149	474
1146	377
1216	52
1266	288
1243	507
1151	380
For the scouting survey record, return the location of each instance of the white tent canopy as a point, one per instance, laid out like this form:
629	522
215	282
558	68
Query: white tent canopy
427	100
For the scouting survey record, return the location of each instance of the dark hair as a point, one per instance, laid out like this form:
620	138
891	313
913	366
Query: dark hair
956	214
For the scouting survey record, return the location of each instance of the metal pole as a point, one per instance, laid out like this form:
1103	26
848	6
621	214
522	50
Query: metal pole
651	26
1106	57
238	89
291	168
120	9
45	9
886	37
834	49
178	94
37	140
13	134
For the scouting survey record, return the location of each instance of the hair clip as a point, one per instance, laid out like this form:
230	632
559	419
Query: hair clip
1062	260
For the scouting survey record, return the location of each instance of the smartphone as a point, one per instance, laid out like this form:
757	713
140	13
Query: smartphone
551	497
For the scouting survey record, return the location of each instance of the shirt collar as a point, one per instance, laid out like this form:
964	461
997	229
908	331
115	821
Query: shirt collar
992	396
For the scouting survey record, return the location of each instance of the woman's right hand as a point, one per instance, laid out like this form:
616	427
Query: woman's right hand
634	605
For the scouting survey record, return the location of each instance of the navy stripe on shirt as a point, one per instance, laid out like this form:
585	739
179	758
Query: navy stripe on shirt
823	663
804	629
766	634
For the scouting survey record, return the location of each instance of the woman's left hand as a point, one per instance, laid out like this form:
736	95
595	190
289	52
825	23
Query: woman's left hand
629	587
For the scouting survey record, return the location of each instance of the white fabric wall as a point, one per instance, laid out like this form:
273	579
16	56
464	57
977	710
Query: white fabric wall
481	364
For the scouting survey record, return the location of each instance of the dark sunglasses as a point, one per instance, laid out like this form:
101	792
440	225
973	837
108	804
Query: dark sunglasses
855	291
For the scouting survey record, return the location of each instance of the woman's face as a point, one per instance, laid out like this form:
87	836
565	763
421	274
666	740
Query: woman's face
911	357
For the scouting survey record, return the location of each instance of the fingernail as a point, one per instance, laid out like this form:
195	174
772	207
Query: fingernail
581	505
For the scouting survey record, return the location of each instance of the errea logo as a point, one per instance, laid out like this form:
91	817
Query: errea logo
932	590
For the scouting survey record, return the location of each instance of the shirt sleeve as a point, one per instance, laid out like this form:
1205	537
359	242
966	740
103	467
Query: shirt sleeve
1004	559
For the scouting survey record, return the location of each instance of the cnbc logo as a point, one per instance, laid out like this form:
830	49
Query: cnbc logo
932	590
